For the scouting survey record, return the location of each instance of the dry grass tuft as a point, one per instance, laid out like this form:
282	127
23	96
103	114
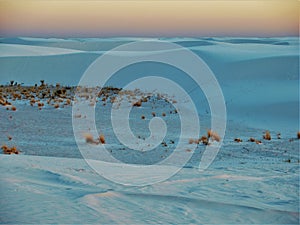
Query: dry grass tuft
204	140
238	140
252	139
40	105
214	136
68	102
194	141
137	104
9	151
267	135
4	148
102	139
209	133
89	139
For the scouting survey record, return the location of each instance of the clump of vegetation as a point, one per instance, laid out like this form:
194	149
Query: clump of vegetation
90	139
257	141
204	140
267	135
137	104
254	140
40	105
238	140
9	151
102	139
214	136
194	141
59	96
211	136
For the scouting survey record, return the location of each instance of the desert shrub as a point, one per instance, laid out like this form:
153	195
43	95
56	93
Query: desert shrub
102	139
137	104
204	140
214	136
238	140
89	138
251	139
267	135
9	151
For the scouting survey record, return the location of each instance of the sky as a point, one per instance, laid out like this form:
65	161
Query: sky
79	18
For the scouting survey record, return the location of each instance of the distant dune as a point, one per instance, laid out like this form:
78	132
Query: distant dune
7	50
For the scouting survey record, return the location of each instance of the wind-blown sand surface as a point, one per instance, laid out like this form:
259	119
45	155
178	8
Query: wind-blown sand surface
49	182
63	190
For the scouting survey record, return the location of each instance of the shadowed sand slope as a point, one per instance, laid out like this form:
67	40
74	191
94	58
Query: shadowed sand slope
67	190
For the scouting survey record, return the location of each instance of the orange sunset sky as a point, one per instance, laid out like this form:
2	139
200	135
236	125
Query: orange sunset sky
78	18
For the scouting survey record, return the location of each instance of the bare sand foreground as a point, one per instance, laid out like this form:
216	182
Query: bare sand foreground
62	190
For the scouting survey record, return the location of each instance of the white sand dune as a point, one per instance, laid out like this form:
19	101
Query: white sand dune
246	183
8	50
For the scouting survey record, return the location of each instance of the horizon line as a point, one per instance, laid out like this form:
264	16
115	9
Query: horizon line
141	36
